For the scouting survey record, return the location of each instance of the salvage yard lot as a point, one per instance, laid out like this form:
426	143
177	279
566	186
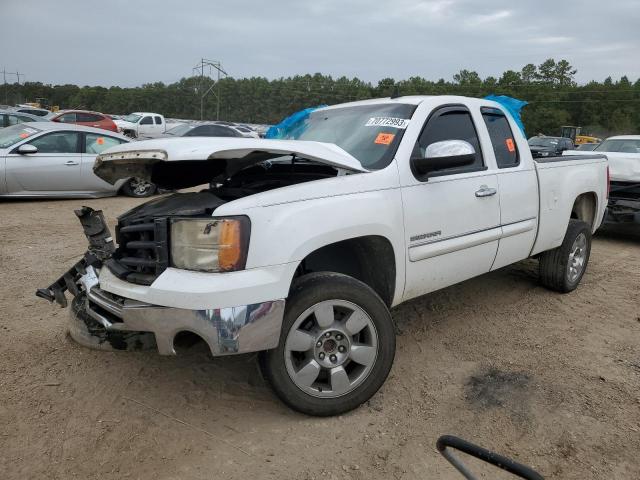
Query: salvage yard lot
550	380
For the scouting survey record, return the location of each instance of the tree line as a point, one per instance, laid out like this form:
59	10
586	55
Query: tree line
555	99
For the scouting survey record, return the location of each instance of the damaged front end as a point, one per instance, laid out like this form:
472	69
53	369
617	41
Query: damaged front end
103	320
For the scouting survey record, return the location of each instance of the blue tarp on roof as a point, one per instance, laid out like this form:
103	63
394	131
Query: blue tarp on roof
511	105
291	124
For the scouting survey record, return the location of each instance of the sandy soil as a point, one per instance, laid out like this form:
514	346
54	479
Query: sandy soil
551	380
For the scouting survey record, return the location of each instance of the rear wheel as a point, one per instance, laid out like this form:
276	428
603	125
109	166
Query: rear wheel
138	187
562	268
336	346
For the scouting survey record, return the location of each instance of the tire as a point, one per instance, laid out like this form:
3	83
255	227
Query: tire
362	360
138	188
554	267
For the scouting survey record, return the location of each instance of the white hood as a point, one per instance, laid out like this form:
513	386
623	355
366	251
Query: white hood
623	167
186	162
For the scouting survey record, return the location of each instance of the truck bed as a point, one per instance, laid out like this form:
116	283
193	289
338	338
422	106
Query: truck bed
561	180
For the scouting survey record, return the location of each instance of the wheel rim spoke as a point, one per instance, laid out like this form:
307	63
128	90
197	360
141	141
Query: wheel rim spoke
324	340
324	315
300	341
308	374
363	354
356	322
340	382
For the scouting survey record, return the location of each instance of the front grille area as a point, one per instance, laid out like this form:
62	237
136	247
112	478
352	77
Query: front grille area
142	252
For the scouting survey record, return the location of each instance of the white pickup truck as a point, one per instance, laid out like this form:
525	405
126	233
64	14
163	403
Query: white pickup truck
143	124
300	247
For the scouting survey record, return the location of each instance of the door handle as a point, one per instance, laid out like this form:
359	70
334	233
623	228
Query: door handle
485	191
71	162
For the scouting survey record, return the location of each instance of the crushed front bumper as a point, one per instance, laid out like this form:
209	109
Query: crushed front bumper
231	330
101	319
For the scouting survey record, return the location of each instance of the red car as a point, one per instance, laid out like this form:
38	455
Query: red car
86	118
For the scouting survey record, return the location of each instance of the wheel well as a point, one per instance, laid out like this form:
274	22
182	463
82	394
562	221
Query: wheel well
584	208
369	259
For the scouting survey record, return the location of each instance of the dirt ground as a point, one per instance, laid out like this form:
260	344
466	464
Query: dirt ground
550	380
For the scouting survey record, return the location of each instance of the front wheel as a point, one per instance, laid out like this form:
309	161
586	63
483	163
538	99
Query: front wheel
562	268
138	188
336	346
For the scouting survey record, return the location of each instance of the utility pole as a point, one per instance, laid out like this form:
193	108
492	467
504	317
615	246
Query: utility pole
211	64
6	88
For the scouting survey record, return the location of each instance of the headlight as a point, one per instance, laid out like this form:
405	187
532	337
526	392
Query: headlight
210	244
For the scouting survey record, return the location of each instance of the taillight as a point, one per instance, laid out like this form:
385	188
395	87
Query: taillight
608	182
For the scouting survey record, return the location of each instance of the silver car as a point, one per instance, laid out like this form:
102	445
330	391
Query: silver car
49	159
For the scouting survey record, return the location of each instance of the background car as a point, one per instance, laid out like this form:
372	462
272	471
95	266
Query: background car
543	146
209	129
246	131
587	147
11	117
38	112
52	159
86	118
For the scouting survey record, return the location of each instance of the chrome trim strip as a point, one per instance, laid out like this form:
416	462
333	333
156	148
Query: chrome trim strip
469	239
457	243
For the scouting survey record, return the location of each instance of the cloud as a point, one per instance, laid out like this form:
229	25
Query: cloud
129	43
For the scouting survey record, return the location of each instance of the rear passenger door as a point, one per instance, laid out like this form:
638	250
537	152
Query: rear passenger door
451	217
93	145
54	168
517	186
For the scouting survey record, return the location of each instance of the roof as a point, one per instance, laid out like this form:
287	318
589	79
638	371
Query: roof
624	137
73	110
416	100
55	126
24	114
144	113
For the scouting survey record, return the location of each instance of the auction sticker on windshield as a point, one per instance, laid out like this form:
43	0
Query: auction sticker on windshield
393	122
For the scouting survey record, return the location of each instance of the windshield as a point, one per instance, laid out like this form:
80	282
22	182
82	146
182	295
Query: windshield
619	145
543	142
15	133
371	133
180	130
132	117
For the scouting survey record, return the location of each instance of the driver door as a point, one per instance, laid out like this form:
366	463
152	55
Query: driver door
146	126
451	216
55	168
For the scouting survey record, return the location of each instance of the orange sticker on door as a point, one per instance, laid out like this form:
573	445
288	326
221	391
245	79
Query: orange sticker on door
510	145
384	138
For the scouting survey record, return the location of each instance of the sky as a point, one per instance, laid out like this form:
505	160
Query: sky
131	42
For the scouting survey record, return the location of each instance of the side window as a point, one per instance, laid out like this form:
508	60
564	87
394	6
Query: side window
13	119
3	120
88	117
158	120
450	123
58	142
504	144
146	121
95	144
67	118
23	119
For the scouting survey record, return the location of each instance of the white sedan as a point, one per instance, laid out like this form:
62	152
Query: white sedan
48	159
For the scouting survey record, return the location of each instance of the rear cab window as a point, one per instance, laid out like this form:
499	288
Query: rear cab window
158	120
504	144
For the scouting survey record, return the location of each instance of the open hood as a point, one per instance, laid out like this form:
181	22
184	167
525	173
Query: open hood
187	162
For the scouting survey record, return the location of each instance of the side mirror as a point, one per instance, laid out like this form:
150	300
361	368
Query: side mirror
27	149
445	154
